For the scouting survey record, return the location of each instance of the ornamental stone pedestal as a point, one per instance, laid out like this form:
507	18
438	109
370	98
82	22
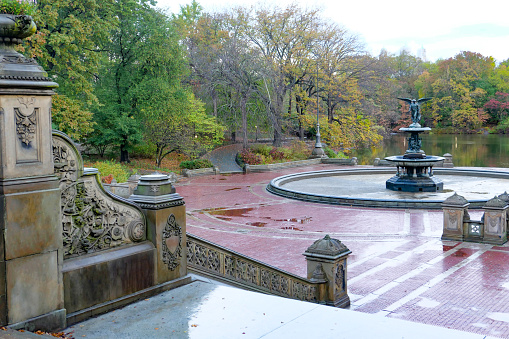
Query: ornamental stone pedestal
455	212
495	221
166	225
31	249
327	260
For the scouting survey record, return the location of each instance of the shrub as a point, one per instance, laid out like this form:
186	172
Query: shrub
196	164
262	149
276	154
111	168
248	157
330	152
299	150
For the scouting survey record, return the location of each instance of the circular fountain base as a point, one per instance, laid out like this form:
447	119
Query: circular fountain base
415	173
411	184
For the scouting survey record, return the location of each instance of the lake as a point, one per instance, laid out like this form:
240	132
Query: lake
476	150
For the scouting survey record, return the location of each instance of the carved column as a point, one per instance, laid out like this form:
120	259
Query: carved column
455	212
327	259
166	225
31	292
495	221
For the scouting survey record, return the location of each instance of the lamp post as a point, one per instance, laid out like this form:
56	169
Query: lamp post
318	150
256	135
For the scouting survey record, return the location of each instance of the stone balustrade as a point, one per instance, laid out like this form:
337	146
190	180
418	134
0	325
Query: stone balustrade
326	271
491	229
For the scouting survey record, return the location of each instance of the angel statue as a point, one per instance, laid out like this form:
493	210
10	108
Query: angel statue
415	109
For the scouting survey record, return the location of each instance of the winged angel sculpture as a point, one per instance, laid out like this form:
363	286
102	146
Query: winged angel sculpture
415	109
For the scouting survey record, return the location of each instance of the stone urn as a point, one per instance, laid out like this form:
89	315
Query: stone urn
14	28
15	68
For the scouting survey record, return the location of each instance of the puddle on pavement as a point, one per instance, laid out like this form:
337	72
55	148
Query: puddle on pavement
224	218
448	248
236	212
290	228
304	220
257	224
233	189
460	253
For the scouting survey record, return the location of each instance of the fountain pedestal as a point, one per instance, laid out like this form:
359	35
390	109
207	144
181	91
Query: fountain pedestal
415	168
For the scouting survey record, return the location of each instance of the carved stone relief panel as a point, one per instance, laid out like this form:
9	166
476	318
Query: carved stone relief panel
453	220
91	219
493	222
27	130
172	243
339	280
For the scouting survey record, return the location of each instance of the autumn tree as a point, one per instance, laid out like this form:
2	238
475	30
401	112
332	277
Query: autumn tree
284	39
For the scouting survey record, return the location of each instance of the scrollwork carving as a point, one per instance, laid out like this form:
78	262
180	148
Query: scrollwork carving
91	220
172	243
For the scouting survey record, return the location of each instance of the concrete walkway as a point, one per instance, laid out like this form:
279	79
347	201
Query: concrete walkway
224	158
203	310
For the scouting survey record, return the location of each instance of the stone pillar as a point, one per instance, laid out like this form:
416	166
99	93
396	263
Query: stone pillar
166	225
329	256
455	210
495	221
31	248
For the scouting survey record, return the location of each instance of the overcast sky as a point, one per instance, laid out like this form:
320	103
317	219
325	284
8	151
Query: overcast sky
442	27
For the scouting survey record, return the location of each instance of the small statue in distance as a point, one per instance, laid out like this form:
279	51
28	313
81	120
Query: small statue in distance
415	110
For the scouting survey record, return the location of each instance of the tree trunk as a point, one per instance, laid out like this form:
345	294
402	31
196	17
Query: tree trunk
214	102
243	111
124	153
300	115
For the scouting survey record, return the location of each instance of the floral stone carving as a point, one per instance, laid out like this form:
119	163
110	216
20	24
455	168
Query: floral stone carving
172	243
91	219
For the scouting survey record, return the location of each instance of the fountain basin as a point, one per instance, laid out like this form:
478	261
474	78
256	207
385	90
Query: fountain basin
414	174
365	187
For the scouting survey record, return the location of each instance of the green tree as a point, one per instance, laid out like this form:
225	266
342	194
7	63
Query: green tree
69	44
144	58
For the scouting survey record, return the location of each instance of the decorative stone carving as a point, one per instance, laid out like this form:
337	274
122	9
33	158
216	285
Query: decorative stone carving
340	279
91	219
26	124
210	259
172	244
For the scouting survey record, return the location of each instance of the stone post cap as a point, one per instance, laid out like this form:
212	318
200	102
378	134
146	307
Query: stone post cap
504	197
495	204
327	248
456	200
154	185
155	191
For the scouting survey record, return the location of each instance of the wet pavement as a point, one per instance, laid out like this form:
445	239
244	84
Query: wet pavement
399	267
203	310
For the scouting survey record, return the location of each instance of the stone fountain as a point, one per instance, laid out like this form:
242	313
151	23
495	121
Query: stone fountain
414	168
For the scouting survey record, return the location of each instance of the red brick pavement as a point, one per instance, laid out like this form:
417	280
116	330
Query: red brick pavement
398	268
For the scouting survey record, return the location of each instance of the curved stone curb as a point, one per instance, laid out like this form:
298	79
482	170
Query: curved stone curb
275	187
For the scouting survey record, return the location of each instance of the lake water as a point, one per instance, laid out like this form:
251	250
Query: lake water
476	150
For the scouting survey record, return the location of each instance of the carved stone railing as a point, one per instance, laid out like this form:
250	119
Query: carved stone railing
214	261
491	229
92	219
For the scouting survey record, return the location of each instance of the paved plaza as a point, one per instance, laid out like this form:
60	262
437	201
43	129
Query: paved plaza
399	268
